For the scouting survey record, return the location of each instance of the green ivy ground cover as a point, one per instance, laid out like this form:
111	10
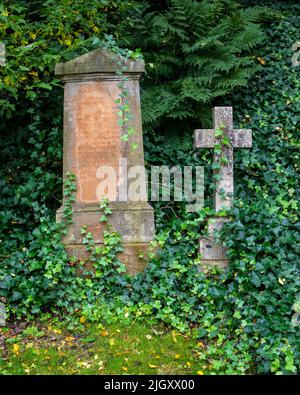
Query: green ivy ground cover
245	316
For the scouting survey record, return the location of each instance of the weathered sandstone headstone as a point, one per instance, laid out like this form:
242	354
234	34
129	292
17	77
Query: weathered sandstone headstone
93	143
213	253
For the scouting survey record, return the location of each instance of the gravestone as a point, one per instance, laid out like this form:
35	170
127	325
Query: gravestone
93	143
2	311
212	252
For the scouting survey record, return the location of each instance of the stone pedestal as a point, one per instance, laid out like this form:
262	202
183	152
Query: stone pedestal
212	252
94	148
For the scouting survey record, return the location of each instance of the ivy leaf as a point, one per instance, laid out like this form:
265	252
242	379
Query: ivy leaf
255	279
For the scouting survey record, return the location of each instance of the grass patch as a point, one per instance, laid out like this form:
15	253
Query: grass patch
92	349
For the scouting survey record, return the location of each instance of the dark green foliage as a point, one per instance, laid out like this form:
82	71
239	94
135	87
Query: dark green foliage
249	311
37	35
265	282
264	237
246	316
42	275
195	52
36	276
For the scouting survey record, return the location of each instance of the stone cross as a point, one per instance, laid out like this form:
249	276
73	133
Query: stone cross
212	252
96	152
238	138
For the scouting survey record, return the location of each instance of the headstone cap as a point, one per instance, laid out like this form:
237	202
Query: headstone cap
99	61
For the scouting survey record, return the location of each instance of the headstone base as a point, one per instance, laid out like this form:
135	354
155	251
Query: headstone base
134	222
213	253
133	256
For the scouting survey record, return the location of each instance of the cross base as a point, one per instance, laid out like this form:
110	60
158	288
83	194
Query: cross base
213	253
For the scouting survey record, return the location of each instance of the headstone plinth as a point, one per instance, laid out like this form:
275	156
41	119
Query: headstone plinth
214	253
93	147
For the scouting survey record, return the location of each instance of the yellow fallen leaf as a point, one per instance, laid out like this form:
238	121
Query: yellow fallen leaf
188	364
16	349
177	356
112	342
104	333
69	339
200	373
82	320
85	364
125	368
200	344
152	366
